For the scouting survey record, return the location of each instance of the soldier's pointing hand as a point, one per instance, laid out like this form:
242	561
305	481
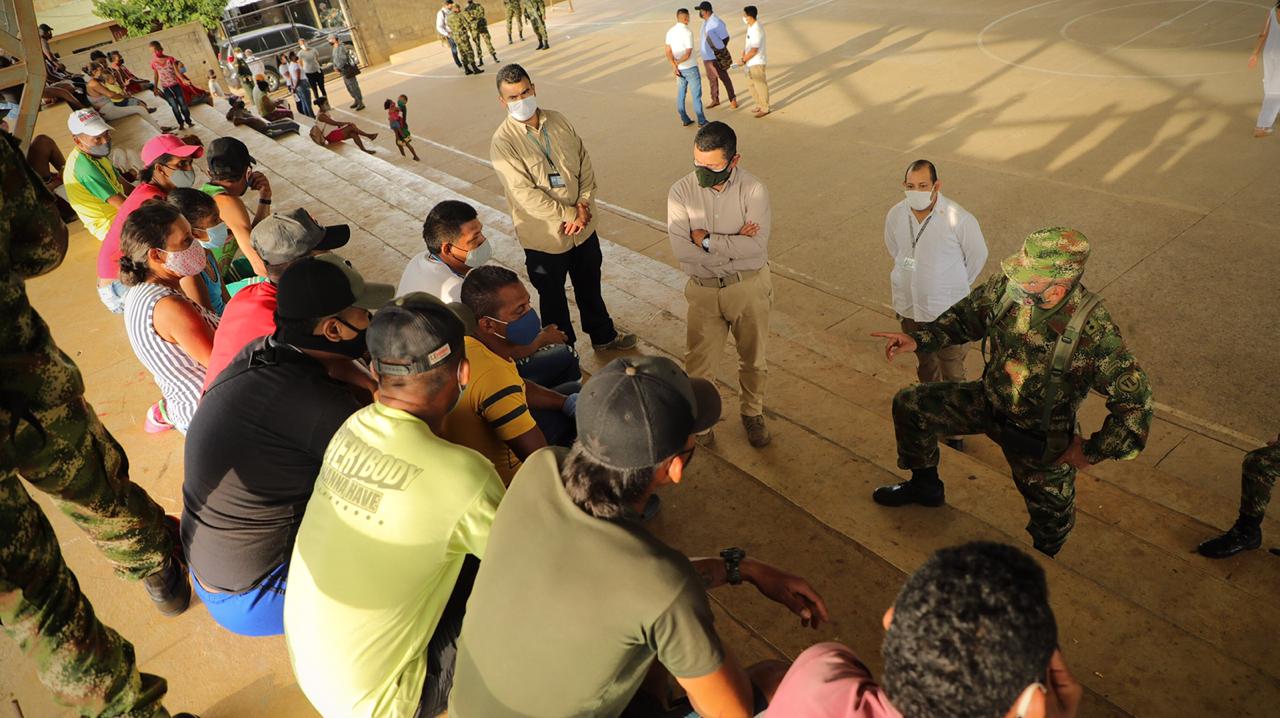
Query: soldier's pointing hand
895	343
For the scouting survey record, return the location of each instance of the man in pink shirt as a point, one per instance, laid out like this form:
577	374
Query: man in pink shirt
971	633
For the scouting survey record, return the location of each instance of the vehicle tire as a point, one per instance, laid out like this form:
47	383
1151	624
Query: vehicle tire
274	81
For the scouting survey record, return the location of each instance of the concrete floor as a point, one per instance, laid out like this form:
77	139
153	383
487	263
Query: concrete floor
1153	169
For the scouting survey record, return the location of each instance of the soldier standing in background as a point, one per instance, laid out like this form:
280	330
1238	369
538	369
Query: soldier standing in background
460	33
514	13
50	436
480	30
1258	476
535	11
1050	342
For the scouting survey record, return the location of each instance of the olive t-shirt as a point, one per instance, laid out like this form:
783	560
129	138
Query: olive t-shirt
568	611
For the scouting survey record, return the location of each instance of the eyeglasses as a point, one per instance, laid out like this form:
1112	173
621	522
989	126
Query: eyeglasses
182	165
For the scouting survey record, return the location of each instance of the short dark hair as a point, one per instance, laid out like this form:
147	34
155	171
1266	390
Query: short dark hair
156	45
511	74
682	12
97	55
146	228
386	104
919	165
194	204
599	490
444	222
750	11
482	286
972	628
717	136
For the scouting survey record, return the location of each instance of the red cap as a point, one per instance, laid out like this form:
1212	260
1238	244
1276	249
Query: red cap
168	145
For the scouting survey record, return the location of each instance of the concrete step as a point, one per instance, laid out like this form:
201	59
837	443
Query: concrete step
1126	577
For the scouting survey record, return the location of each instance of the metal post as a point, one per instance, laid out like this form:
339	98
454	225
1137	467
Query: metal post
355	37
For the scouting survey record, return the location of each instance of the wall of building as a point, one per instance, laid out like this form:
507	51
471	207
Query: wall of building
189	43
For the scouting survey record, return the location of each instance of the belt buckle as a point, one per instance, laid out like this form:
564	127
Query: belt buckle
720	282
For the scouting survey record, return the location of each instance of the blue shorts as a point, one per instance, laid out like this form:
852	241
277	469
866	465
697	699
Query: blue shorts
256	612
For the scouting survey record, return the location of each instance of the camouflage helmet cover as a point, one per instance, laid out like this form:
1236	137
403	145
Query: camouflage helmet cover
1053	253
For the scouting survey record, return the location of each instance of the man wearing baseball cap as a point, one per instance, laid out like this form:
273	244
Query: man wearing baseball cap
256	442
575	598
388	547
282	239
95	188
1048	342
231	175
167	164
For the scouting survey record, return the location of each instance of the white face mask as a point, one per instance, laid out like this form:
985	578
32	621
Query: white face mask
187	262
183	178
917	200
479	256
522	110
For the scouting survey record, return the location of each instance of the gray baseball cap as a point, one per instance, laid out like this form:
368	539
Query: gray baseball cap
413	334
287	236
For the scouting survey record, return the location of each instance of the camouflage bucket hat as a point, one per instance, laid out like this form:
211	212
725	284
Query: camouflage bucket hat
1053	253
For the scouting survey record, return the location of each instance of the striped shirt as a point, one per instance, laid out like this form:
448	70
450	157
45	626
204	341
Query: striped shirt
179	377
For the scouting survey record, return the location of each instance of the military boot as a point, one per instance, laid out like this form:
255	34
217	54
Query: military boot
923	488
168	587
1245	535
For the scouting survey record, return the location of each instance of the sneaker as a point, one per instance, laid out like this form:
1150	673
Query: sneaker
621	342
157	419
353	105
1240	538
686	123
911	492
168	587
757	433
706	439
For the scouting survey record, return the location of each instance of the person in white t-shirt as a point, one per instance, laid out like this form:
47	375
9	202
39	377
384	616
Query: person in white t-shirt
679	50
753	57
938	252
456	244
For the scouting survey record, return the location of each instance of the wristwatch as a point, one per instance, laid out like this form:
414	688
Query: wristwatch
264	201
733	564
706	244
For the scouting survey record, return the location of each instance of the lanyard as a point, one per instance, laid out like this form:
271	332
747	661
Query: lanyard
546	148
919	234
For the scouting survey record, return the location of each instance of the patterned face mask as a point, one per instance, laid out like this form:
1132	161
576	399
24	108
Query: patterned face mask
186	262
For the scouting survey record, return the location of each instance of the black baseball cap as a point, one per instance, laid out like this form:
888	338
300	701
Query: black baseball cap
704	6
228	157
413	334
321	287
638	411
286	236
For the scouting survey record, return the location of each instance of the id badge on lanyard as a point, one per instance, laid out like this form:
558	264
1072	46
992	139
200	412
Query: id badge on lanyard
554	179
909	263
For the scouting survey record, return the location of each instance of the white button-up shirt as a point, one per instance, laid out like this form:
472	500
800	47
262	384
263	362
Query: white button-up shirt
940	268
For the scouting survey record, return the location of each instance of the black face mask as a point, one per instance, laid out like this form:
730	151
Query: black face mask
354	347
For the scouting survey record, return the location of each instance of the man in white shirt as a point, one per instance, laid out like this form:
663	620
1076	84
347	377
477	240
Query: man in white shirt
938	251
442	28
680	55
753	57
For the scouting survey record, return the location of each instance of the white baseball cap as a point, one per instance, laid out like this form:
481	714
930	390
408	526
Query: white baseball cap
87	122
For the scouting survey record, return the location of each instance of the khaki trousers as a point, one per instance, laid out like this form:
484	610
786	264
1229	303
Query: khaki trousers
759	86
943	365
743	309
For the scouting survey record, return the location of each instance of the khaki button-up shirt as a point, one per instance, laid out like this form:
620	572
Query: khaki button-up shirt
520	157
722	213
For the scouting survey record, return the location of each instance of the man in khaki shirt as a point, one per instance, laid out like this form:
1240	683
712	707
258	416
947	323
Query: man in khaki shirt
718	221
551	188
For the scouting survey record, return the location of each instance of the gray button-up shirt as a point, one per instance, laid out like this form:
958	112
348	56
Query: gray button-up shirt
723	213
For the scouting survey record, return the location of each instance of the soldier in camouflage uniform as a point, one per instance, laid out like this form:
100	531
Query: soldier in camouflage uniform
460	29
1257	477
51	437
1040	293
514	13
480	30
535	11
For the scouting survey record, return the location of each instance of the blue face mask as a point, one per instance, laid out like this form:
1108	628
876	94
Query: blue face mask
524	330
215	237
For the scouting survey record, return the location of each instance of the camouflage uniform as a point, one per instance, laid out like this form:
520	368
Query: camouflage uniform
479	29
514	13
51	437
1008	397
535	11
1257	478
460	29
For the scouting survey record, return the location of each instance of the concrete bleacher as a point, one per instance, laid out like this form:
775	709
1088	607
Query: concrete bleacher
1149	627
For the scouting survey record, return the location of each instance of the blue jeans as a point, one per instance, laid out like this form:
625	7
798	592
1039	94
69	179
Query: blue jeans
112	296
303	94
689	77
550	366
559	428
256	612
177	103
453	48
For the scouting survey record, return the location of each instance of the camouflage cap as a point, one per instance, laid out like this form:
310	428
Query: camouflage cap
1053	253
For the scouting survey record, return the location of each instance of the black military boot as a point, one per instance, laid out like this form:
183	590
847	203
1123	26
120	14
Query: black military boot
923	488
1245	535
168	587
495	58
469	71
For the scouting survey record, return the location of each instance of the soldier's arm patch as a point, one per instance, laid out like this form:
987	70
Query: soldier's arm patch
1129	382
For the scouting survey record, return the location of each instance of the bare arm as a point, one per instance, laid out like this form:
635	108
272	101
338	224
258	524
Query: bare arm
1262	40
540	397
196	290
527	443
724	693
116	200
240	224
178	322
